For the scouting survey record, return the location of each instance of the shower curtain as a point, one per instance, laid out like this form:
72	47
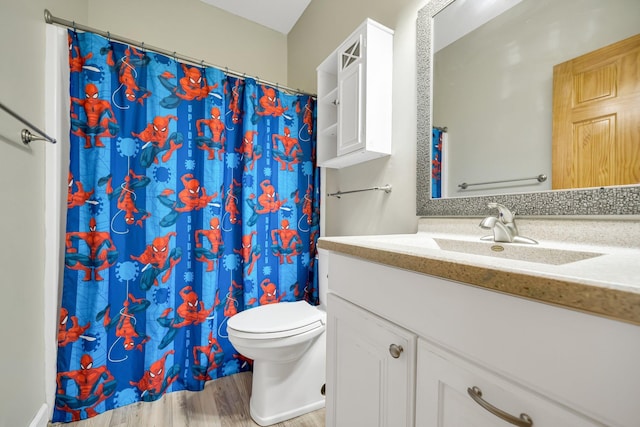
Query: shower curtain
192	195
437	136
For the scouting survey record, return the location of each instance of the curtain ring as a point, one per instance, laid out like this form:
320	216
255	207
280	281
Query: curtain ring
174	56
108	36
74	27
202	64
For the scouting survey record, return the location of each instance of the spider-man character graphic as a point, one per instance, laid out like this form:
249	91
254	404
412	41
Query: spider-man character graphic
270	290
80	196
193	197
234	102
307	203
190	87
156	135
126	194
231	305
307	117
93	386
286	243
231	203
291	152
102	251
157	259
68	334
154	382
269	201
127	75
100	121
190	313
215	142
125	322
214	357
250	152
248	253
269	103
76	60
210	255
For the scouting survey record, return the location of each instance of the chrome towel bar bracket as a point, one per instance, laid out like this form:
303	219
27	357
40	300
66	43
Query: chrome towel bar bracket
26	135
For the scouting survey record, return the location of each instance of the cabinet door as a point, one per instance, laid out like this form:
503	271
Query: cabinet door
446	382
350	111
350	98
370	369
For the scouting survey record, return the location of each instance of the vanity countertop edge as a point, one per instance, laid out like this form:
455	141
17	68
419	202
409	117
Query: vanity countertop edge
614	302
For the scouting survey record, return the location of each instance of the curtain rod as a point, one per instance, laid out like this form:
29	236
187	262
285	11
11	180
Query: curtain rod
50	19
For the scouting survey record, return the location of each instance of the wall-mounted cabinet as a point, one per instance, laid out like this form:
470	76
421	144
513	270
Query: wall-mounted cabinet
354	98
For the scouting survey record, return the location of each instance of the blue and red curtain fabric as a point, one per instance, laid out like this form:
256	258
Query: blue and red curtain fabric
437	136
193	195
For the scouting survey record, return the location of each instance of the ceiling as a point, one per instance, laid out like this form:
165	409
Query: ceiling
279	15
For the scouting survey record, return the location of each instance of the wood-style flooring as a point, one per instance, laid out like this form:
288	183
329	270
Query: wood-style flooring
223	403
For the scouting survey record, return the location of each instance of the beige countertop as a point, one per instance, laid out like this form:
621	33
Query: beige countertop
606	285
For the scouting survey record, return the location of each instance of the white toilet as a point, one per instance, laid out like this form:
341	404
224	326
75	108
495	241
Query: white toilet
287	344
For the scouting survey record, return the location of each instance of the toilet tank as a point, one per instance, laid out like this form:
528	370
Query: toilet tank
323	276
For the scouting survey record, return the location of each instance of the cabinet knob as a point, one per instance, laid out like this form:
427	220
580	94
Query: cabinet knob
395	350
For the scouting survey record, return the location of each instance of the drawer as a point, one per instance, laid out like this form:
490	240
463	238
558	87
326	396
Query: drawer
446	382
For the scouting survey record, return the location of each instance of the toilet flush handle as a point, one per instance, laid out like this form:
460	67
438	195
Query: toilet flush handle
395	350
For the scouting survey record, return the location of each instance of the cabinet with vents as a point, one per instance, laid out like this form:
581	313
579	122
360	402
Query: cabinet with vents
354	98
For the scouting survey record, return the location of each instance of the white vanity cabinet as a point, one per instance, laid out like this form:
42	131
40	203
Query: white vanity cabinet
562	368
354	98
371	376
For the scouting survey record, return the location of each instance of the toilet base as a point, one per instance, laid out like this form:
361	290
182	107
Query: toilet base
281	391
284	416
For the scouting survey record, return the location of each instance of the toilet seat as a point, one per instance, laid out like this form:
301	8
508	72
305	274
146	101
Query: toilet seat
279	320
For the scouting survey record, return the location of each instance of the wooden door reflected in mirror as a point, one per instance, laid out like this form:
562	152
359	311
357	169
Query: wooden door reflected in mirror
596	118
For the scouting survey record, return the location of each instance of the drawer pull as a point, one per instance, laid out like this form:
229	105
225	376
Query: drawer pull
524	420
395	350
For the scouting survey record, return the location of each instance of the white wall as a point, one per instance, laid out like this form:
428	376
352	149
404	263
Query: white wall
197	30
22	214
322	27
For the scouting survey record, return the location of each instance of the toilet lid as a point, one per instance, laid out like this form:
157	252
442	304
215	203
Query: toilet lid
277	320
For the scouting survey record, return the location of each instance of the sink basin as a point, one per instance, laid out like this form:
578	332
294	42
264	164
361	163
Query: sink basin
529	253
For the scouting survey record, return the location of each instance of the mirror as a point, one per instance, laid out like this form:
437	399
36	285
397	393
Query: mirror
620	200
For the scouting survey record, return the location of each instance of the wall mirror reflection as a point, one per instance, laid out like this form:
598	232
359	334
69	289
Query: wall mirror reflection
498	130
498	102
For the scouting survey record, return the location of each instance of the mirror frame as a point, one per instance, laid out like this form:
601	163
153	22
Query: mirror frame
618	200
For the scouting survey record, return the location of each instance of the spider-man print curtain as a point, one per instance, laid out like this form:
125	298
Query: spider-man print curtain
437	136
192	196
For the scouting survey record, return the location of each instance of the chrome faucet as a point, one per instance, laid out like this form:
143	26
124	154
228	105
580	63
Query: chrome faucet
503	226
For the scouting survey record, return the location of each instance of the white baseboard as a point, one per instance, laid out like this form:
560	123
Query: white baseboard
40	420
